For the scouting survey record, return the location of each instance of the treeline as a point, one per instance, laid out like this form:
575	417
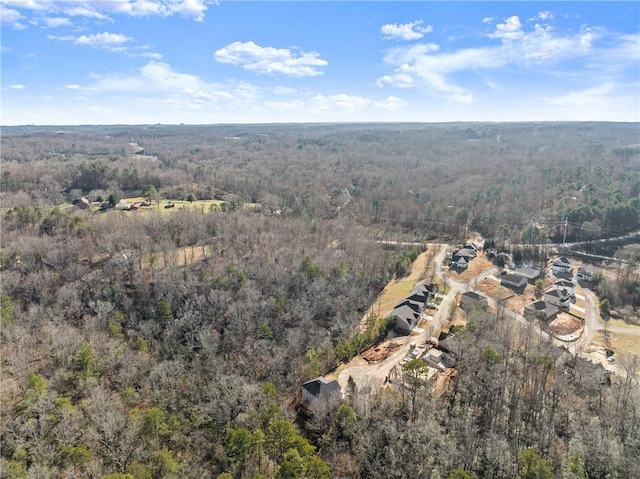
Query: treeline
445	179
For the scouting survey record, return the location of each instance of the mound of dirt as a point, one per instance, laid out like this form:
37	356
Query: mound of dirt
565	324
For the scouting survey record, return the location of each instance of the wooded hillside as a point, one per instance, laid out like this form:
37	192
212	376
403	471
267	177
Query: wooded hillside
172	342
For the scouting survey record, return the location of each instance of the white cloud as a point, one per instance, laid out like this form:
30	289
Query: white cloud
76	87
11	17
105	40
16	86
340	102
544	15
392	103
537	47
607	102
152	55
578	99
269	60
102	40
511	29
488	19
405	31
102	10
54	22
63	38
283	90
400	80
158	77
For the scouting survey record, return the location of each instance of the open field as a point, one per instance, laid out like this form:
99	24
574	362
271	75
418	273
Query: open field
624	338
399	289
206	205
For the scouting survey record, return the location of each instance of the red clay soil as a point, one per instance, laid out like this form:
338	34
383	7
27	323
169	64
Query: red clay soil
379	352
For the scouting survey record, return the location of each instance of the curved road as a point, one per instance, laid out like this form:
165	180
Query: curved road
371	377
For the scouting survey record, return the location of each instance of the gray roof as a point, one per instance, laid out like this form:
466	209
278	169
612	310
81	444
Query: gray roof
409	303
561	260
473	295
419	297
405	312
528	273
422	286
514	280
558	293
542	307
320	386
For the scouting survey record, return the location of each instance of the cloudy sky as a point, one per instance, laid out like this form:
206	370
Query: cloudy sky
199	61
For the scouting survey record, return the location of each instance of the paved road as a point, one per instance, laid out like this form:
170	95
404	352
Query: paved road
372	376
590	323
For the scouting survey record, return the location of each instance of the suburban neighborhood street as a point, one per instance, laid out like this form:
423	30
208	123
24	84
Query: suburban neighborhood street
373	376
370	377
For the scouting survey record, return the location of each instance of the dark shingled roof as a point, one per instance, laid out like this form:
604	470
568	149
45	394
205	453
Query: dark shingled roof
472	295
321	385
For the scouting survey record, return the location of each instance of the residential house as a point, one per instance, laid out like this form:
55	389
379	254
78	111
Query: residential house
529	273
561	265
584	275
450	344
414	305
430	288
566	285
82	203
419	297
468	246
437	359
514	281
459	263
134	149
558	297
471	300
319	389
540	310
468	253
405	318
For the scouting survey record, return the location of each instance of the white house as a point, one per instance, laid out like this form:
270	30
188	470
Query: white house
561	265
558	297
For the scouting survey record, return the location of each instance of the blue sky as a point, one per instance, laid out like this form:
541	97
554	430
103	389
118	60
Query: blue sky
195	61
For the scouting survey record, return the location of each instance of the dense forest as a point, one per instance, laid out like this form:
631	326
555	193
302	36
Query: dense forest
519	181
172	343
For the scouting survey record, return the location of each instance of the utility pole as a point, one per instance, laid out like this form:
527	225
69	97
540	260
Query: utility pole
564	238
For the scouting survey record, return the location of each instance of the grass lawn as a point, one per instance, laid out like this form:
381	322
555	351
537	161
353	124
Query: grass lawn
398	289
621	343
392	294
178	204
